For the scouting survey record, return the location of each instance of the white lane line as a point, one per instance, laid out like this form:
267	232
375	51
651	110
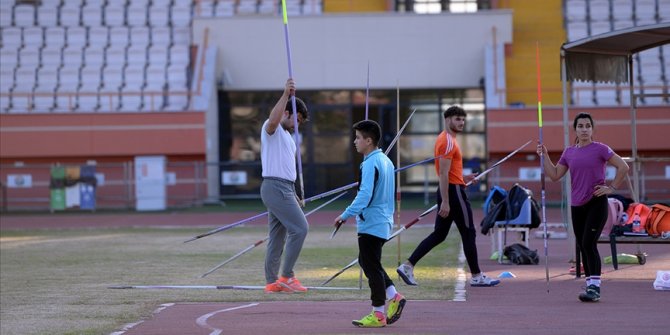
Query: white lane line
129	326
202	321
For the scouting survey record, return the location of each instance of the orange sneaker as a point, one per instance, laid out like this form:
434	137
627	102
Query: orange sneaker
292	284
277	288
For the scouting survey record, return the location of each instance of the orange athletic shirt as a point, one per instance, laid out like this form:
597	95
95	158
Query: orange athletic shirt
446	145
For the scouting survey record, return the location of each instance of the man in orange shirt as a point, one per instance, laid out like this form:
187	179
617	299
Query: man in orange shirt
452	203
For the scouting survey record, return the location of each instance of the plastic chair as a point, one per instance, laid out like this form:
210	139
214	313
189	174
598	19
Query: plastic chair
520	224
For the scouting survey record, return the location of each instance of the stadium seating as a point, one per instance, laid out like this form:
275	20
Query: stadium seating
586	18
92	55
111	55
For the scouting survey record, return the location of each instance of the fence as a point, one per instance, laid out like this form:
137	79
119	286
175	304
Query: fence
26	187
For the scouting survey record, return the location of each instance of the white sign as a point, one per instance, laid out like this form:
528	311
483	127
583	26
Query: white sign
19	181
100	179
150	189
610	172
171	178
529	174
72	196
234	178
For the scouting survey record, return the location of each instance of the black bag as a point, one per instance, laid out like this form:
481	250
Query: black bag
516	197
496	214
519	254
510	208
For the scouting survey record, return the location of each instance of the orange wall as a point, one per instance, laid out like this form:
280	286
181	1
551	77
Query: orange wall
40	136
507	129
351	6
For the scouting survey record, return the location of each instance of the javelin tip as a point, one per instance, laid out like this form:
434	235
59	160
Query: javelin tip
191	239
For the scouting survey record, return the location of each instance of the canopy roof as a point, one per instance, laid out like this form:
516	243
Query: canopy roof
604	58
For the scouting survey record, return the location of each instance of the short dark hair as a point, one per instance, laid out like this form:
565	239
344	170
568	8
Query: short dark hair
300	106
369	129
454	111
582	115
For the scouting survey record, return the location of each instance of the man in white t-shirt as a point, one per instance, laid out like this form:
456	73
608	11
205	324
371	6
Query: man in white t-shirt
287	222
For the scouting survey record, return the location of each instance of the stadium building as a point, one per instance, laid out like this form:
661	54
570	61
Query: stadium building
159	103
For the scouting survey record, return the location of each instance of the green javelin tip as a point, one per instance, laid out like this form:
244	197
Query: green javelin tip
539	114
283	10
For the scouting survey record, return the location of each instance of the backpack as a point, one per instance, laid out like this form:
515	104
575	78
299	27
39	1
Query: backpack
519	254
659	220
510	208
496	195
615	216
516	198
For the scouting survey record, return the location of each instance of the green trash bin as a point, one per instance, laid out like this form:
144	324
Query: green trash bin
57	187
57	199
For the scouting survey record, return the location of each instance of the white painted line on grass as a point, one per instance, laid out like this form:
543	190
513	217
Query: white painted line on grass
461	278
202	321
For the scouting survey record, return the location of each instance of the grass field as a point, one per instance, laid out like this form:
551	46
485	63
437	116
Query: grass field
56	281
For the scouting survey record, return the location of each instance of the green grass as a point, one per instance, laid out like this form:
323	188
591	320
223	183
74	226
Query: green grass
56	281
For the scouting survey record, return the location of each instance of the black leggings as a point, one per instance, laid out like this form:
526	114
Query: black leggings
370	260
459	213
588	221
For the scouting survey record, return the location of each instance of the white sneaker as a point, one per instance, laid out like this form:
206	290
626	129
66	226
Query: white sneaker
406	272
483	280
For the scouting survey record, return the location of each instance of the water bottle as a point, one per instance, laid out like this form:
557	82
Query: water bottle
636	224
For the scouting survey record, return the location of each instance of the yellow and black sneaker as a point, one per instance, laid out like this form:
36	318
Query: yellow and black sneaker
395	308
372	320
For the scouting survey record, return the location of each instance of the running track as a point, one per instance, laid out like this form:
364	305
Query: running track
520	305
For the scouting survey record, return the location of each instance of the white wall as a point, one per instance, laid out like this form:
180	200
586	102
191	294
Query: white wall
333	51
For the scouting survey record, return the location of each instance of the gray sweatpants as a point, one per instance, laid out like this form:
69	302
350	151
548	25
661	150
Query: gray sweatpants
287	226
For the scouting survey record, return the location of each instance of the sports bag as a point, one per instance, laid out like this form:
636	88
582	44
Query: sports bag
519	254
659	220
615	216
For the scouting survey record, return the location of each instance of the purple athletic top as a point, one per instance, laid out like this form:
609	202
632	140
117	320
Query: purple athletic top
587	169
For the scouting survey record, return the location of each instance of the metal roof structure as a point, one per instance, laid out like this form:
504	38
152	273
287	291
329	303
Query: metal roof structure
608	57
604	58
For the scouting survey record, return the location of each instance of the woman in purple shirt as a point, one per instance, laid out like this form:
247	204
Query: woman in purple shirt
586	161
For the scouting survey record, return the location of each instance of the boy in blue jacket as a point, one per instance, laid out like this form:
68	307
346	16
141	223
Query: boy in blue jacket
373	208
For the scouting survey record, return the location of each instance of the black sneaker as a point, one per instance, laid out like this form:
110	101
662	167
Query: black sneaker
592	294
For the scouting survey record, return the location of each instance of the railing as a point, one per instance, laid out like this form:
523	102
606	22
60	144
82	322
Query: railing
186	184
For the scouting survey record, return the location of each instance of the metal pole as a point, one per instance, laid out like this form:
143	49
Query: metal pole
567	214
633	135
397	163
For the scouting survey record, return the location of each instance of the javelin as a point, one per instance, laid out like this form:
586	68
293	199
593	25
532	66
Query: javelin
477	177
316	197
428	211
295	113
539	124
341	222
259	242
367	92
215	287
355	261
